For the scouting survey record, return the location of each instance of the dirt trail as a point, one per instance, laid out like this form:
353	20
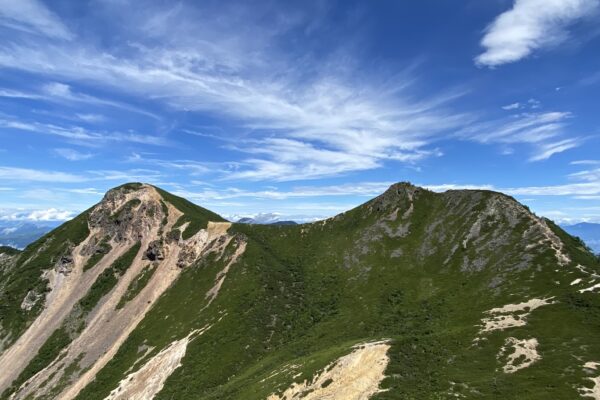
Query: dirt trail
355	376
146	382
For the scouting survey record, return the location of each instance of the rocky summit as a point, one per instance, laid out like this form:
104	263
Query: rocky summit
412	295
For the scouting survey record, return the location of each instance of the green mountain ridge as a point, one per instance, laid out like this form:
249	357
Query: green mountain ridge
412	295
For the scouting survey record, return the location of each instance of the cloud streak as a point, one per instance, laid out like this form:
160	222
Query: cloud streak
330	121
33	175
32	16
80	135
73	155
545	132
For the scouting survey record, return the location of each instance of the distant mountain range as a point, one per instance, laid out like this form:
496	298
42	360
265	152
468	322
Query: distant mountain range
588	232
263	219
19	234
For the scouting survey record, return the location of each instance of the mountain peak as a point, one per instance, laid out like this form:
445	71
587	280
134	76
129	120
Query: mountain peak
107	305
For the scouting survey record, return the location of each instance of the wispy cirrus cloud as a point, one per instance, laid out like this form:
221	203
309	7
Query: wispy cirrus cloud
545	132
34	175
583	185
78	134
58	92
325	116
546	150
29	175
528	26
585	162
318	116
32	16
72	154
361	189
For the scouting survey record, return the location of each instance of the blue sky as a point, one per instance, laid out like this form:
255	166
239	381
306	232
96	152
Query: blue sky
301	108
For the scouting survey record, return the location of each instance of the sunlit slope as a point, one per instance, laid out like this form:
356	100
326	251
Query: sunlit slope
463	294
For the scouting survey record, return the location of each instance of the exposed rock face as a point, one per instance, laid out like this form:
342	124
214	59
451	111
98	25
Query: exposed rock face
415	294
154	251
125	216
30	300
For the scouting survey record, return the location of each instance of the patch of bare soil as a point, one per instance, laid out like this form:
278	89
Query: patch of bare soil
355	376
523	355
146	382
511	315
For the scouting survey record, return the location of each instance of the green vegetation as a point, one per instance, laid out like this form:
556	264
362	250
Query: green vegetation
107	280
129	187
136	286
48	352
197	216
165	211
406	266
41	255
11	251
303	295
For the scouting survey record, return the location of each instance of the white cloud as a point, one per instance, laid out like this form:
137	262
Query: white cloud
528	26
532	104
131	175
591	175
546	150
326	120
57	92
81	135
49	214
86	191
33	17
585	162
73	155
513	106
345	121
92	118
38	175
544	132
26	174
454	186
61	92
362	189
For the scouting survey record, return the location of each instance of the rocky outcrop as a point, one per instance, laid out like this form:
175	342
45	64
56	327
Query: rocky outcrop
126	216
155	251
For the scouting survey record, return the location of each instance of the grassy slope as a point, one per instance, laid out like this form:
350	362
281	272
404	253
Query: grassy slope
304	294
300	298
75	322
26	275
197	216
11	251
